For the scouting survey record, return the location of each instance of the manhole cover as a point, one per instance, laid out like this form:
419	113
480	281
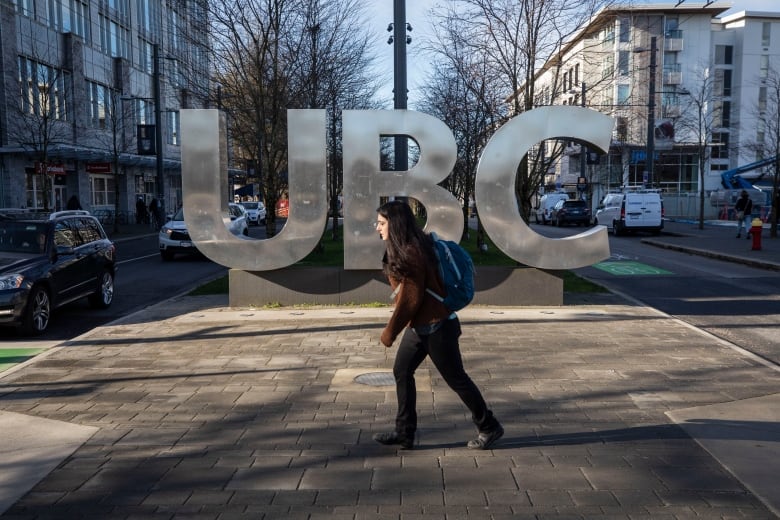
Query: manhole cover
376	379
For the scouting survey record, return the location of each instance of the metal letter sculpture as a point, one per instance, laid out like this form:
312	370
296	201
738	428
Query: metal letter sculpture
204	184
494	193
364	182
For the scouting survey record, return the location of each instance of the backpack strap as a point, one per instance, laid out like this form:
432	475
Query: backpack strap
435	238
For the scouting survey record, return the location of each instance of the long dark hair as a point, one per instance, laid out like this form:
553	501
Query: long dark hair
406	242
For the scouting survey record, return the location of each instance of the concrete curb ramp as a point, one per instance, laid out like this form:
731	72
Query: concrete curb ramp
32	447
744	436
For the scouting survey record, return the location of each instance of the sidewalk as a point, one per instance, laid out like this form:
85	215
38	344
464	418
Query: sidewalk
718	240
193	409
190	408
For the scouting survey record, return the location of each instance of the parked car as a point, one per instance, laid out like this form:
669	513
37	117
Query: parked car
255	212
570	212
175	239
631	211
546	204
49	260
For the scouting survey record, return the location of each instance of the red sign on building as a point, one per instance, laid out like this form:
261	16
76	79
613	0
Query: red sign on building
98	167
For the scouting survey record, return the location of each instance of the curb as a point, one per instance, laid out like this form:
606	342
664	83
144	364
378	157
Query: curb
772	266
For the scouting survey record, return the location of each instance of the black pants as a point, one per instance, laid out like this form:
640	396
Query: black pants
443	348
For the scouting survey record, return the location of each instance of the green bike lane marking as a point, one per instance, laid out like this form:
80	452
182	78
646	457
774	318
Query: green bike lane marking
13	356
630	268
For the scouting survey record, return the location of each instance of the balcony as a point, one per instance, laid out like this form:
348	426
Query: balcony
670	111
673	41
672	74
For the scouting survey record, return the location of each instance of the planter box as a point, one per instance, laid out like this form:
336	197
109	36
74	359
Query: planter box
500	286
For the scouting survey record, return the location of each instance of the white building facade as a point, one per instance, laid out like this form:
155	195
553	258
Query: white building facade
679	71
90	93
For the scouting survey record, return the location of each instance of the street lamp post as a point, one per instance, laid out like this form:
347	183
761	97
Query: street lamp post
399	39
157	95
650	152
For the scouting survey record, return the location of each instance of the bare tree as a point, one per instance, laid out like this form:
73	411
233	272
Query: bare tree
697	121
767	140
513	38
273	55
42	116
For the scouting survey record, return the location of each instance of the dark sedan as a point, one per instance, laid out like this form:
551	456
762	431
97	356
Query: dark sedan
570	212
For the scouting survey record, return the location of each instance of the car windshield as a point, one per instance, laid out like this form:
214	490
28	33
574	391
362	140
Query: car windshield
249	205
22	237
574	203
179	214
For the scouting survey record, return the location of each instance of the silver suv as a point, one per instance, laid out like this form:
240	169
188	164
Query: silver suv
175	239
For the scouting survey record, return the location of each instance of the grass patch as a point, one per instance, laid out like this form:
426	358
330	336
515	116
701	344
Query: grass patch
216	286
576	284
330	253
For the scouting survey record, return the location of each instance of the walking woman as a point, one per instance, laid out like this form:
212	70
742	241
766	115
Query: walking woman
428	327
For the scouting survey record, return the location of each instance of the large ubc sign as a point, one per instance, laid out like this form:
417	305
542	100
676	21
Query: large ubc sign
205	186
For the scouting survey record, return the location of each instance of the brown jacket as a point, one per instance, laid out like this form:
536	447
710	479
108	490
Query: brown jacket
414	306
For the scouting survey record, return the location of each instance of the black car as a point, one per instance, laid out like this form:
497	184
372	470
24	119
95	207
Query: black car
47	261
570	212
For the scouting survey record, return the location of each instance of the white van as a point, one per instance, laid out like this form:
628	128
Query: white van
631	211
546	203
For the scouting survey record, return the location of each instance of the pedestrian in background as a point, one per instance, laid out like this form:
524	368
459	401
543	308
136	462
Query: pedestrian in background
73	203
744	209
140	211
429	328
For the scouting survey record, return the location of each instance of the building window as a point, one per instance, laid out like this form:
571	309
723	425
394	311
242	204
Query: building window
174	29
113	38
99	110
101	189
625	29
173	128
763	72
608	67
120	7
722	113
149	16
75	18
766	31
762	99
724	54
24	7
761	132
623	63
720	148
42	89
145	55
722	83
623	93
621	129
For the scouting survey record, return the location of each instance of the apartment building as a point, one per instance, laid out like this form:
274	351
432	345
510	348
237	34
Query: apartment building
679	73
90	92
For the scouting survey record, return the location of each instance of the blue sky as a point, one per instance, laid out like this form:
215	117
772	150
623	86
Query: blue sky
417	14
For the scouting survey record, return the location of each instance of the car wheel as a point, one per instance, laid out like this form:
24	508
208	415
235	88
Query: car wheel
167	256
245	232
102	298
616	229
38	312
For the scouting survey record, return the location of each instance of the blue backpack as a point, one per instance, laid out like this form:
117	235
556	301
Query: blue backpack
457	273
